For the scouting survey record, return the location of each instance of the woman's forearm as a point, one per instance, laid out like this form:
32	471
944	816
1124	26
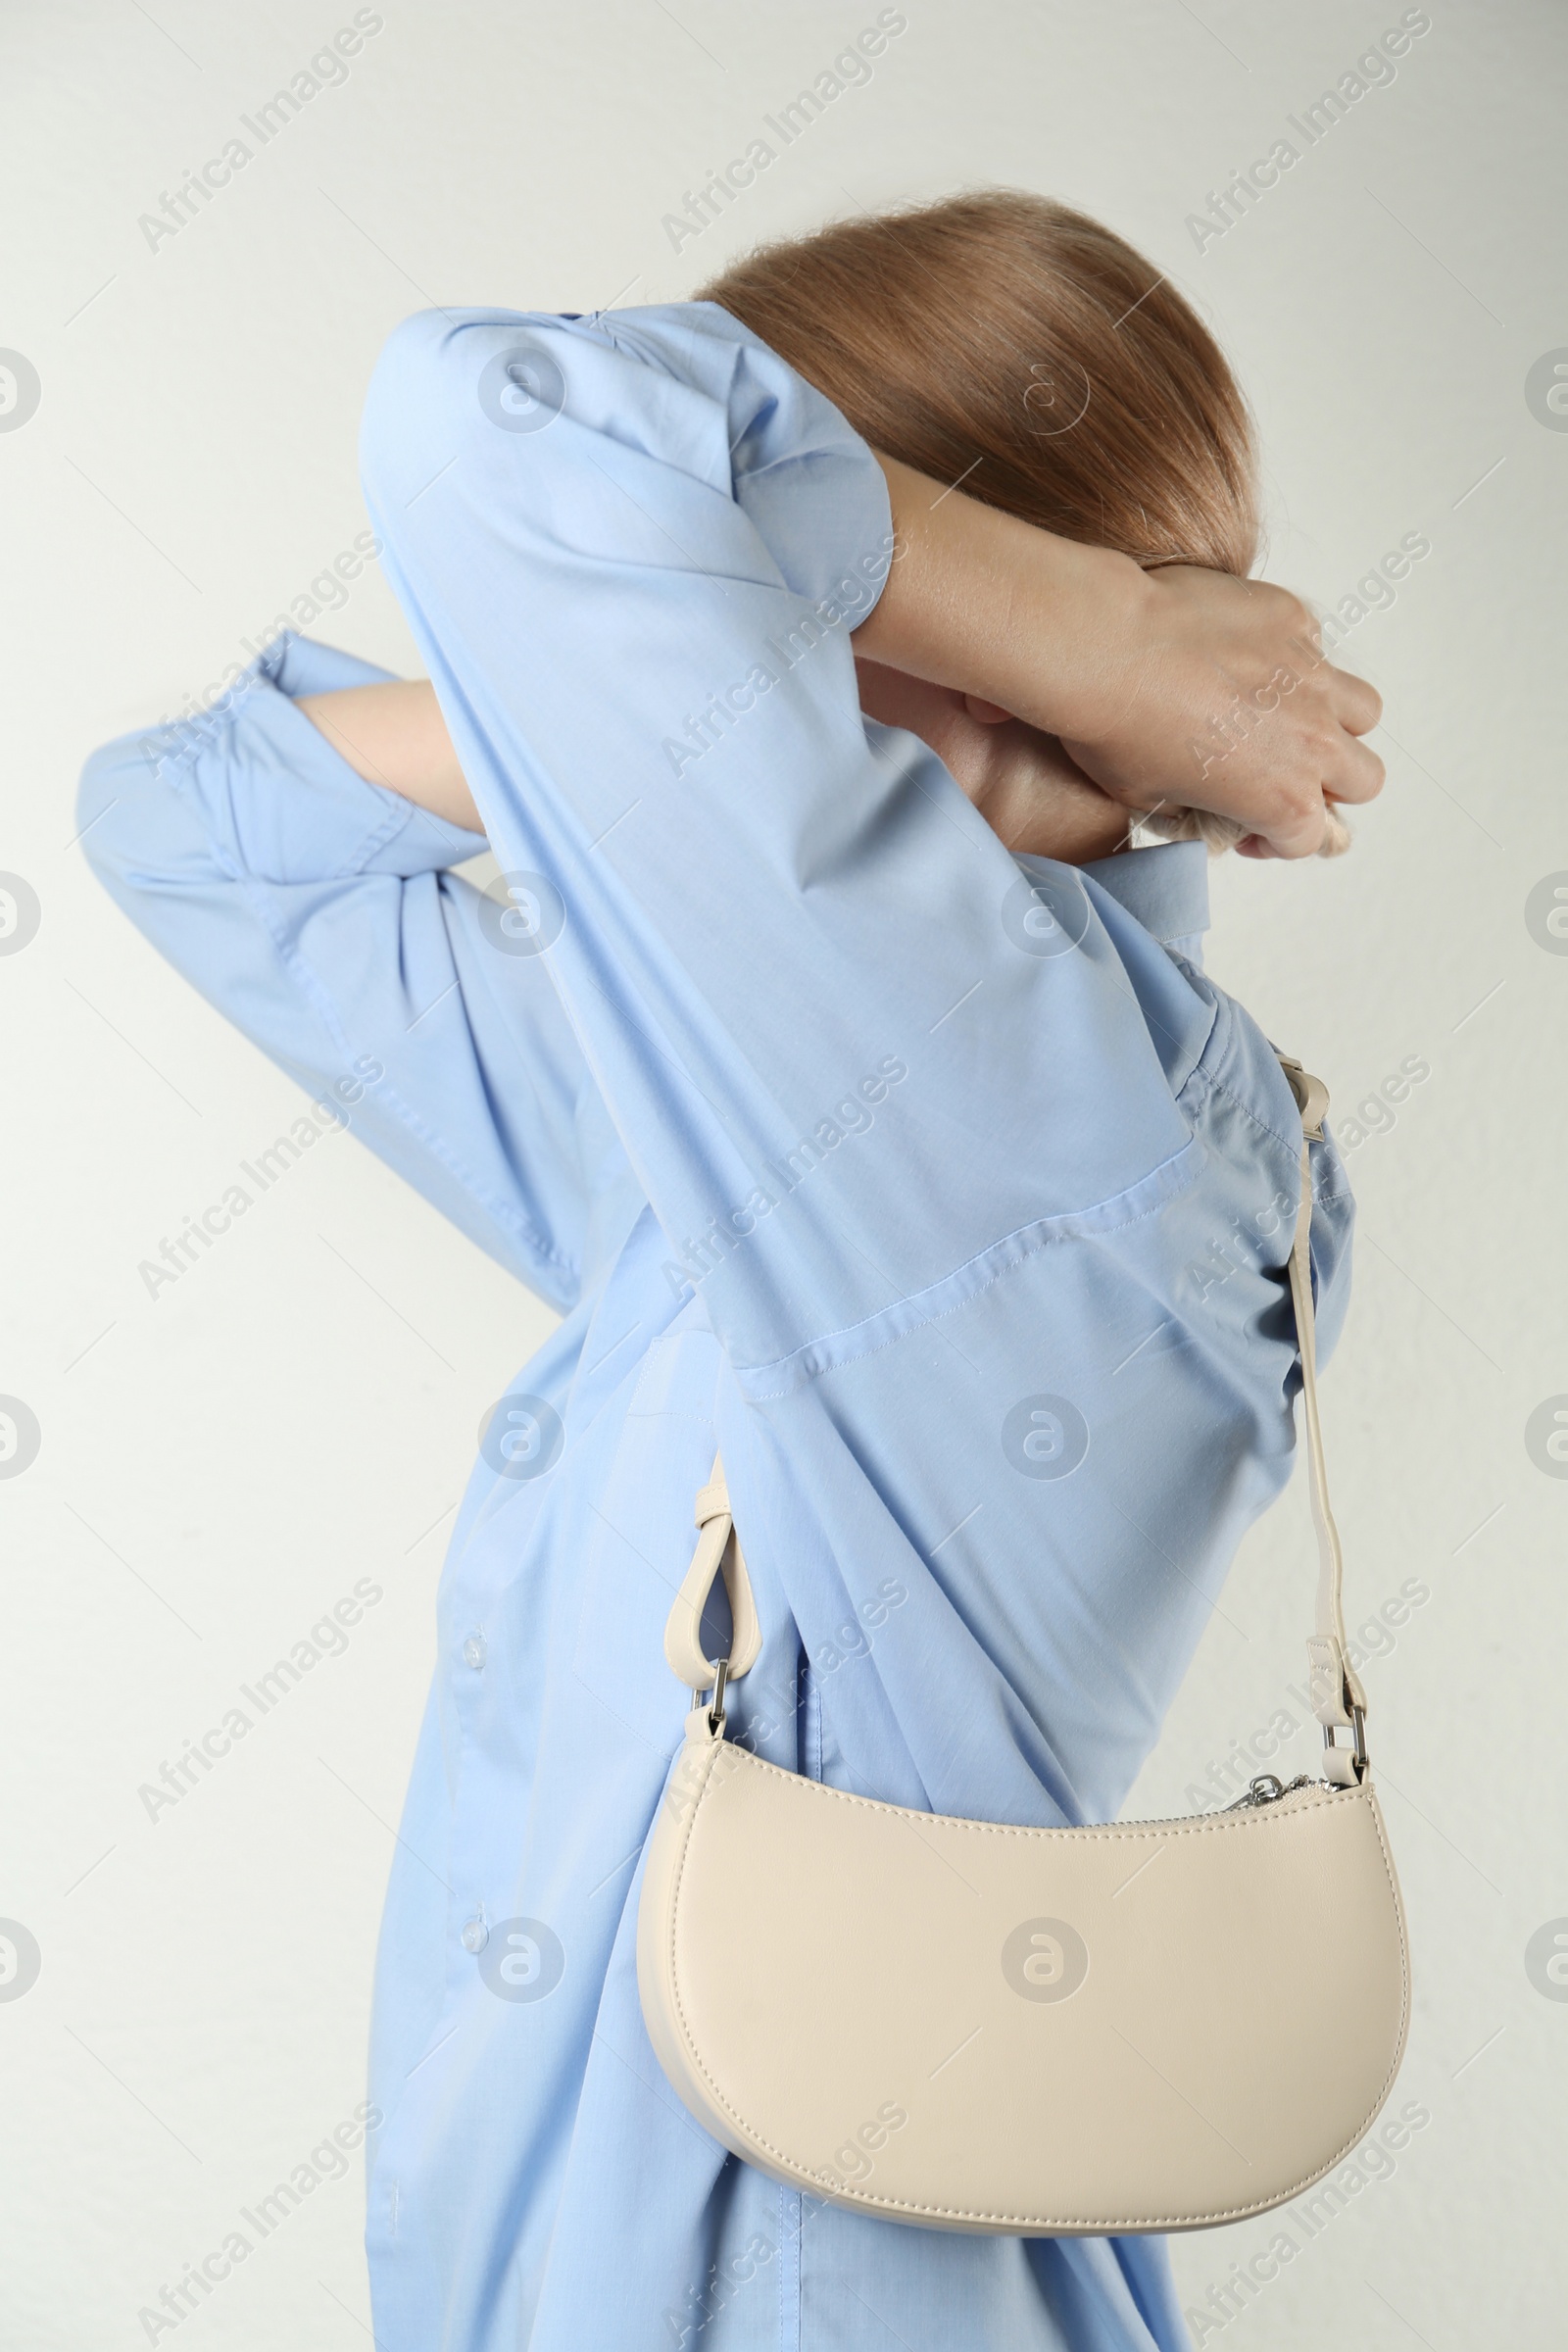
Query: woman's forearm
978	601
975	600
394	734
1175	688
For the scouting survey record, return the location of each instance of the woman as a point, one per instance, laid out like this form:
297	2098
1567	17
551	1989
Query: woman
857	1097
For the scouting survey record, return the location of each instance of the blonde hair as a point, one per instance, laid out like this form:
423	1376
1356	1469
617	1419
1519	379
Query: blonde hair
1005	342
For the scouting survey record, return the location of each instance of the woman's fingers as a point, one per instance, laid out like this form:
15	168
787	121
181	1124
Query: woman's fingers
1358	706
1352	772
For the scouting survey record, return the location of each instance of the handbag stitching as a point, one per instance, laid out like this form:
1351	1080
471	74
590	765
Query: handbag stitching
1107	1830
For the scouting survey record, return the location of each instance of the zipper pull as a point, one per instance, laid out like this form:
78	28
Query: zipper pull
1268	1789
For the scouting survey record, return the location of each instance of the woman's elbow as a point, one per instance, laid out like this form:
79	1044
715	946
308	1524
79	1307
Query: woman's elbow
132	828
454	389
409	408
106	797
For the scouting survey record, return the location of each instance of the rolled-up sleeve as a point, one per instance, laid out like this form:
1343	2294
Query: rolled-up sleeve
315	909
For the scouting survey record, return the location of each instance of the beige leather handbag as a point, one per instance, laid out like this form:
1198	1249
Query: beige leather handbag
966	2025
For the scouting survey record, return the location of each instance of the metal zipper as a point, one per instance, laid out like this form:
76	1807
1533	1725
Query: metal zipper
1268	1789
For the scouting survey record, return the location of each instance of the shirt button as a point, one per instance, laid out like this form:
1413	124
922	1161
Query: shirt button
475	1650
475	1935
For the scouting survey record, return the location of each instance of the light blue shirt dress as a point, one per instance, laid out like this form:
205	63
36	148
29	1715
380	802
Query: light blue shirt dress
940	1189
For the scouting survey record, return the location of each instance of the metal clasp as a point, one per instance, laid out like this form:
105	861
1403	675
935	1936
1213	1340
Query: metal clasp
1358	1754
716	1711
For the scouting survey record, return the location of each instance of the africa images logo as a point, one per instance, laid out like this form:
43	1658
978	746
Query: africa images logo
1045	1960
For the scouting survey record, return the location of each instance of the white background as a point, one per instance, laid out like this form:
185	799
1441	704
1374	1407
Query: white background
221	1463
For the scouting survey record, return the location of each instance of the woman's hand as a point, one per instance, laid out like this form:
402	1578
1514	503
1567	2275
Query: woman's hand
1175	688
1222	698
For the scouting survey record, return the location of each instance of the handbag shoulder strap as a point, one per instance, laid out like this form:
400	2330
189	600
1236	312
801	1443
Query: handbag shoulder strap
1338	1698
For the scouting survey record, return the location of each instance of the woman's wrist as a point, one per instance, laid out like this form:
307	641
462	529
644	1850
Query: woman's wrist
1083	619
